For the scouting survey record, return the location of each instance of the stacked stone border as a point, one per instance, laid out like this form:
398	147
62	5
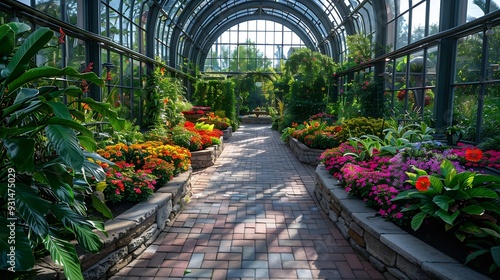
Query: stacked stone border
391	250
303	153
228	132
206	157
256	120
130	233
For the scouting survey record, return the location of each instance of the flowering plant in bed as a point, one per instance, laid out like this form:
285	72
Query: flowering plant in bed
421	184
316	134
219	123
125	182
140	168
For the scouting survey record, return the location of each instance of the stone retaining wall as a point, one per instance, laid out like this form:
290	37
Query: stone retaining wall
130	233
206	157
228	132
256	120
304	153
391	250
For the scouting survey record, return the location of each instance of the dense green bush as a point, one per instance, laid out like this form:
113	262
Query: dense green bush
357	127
219	96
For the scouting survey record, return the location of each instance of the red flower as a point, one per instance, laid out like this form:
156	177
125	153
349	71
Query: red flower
473	155
108	76
423	183
62	36
89	67
401	94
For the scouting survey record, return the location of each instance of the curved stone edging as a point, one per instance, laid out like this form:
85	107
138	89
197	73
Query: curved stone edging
303	153
129	233
389	249
208	156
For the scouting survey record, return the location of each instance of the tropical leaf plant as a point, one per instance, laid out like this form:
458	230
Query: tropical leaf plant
465	203
44	164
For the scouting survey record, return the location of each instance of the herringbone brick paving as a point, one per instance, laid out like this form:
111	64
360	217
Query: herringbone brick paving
251	216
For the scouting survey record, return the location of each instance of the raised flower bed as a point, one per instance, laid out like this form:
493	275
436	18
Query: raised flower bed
129	233
390	249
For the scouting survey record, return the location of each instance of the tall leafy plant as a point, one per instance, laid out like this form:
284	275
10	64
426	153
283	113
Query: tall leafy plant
46	156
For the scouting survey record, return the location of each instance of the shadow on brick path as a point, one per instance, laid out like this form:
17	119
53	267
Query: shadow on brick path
251	216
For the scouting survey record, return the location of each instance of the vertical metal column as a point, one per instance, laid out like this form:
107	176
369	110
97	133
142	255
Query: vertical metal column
447	50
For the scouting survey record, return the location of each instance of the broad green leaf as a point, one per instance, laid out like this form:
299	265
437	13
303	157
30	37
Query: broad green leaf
489	206
473	210
60	110
475	254
49	72
417	220
446	217
21	150
25	94
24	258
7	40
63	253
495	254
104	109
491	232
405	195
66	144
480	179
79	115
60	182
101	207
31	45
470	228
19	27
32	209
446	167
481	193
443	201
88	143
71	124
436	183
73	91
79	226
430	208
93	169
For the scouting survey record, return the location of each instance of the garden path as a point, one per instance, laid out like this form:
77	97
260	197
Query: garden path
252	216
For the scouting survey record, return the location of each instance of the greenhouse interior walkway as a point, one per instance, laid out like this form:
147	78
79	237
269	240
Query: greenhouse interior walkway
252	216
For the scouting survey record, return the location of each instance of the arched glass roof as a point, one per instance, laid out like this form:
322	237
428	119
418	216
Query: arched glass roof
189	28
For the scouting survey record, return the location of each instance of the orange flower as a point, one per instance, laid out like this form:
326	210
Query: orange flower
473	155
62	36
165	101
423	183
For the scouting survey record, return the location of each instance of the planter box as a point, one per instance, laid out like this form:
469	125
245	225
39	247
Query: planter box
391	250
255	120
207	157
304	153
228	132
129	233
193	117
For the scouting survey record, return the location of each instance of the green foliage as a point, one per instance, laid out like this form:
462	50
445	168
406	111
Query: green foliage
357	127
163	100
309	74
491	143
219	96
359	49
394	140
465	203
43	166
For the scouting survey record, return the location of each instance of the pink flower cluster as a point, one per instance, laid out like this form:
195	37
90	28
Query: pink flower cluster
491	158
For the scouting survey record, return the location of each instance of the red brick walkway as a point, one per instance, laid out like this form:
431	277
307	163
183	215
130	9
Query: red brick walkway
251	216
